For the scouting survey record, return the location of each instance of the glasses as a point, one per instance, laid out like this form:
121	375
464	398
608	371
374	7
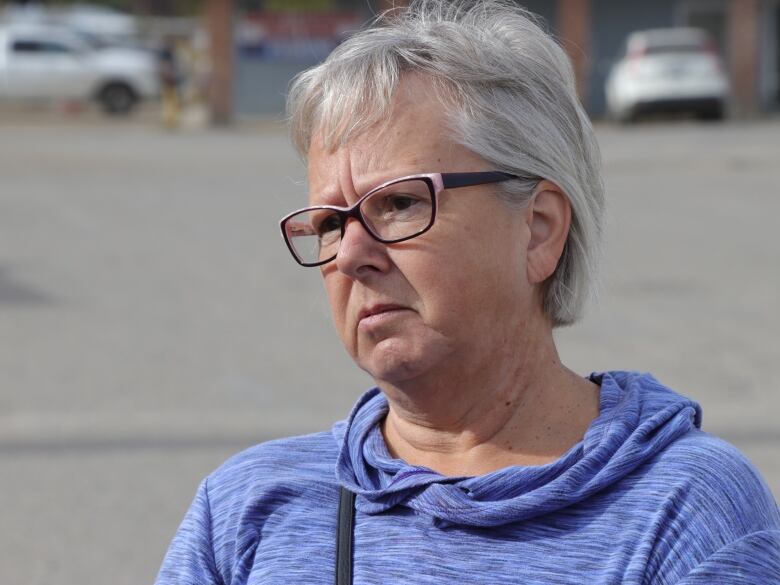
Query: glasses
393	212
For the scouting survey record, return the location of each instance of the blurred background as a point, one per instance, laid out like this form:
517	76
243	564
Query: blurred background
152	322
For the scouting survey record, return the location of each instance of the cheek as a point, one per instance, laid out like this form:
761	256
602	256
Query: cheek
337	288
478	276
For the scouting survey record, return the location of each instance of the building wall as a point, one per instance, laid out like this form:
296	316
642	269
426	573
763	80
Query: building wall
260	85
274	46
769	60
547	9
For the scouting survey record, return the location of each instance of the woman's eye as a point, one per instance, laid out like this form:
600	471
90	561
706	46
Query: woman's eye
400	202
329	224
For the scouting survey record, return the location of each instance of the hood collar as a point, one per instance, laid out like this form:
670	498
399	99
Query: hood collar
638	418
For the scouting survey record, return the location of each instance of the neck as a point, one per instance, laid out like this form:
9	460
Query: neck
524	408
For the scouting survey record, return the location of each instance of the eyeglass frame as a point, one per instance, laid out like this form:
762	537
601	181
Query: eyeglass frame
436	182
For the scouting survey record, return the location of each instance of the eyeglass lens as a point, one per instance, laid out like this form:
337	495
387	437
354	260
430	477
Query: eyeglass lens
395	212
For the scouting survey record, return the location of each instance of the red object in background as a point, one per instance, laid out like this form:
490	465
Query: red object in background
312	25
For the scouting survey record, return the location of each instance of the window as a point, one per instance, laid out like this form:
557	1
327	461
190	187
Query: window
29	46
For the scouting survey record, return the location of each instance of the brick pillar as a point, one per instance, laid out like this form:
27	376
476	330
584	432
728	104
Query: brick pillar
743	43
219	24
573	26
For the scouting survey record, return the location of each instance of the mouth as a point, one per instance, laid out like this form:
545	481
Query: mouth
375	310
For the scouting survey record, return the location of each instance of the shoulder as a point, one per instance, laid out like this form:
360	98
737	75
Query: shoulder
234	503
289	461
710	466
754	558
711	497
292	477
702	487
710	474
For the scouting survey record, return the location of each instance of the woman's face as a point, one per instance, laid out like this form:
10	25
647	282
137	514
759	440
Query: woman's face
447	300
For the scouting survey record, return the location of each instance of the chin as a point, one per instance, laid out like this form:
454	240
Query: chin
396	360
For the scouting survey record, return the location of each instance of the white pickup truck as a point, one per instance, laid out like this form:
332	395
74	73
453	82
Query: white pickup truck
43	62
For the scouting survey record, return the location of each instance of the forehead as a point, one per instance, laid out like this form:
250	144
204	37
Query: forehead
415	137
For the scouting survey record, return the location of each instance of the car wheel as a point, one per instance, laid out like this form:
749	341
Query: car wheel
627	116
713	113
117	99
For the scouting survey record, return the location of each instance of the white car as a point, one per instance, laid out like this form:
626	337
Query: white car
43	62
668	70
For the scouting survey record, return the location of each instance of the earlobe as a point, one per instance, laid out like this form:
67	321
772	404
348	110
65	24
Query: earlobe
549	219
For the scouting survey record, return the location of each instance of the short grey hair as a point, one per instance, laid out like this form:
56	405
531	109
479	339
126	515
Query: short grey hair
511	99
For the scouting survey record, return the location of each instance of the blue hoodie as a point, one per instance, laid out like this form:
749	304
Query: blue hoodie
645	498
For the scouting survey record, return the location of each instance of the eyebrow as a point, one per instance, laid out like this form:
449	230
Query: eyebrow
328	197
336	196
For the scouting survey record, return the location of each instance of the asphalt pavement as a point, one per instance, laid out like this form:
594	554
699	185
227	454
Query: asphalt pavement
152	322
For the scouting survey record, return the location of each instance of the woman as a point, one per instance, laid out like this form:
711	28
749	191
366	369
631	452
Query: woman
455	212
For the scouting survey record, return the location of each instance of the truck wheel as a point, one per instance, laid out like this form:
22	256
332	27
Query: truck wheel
117	99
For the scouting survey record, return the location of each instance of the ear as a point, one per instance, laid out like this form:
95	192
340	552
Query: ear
549	217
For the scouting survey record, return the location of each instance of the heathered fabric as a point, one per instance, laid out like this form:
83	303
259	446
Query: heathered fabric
645	498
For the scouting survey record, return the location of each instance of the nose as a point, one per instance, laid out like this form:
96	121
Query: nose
360	255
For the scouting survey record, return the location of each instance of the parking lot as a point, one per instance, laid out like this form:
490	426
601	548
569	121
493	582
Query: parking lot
152	322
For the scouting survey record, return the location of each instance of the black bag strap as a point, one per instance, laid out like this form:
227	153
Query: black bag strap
344	537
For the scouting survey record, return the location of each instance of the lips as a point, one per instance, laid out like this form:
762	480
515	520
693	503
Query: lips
379	309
